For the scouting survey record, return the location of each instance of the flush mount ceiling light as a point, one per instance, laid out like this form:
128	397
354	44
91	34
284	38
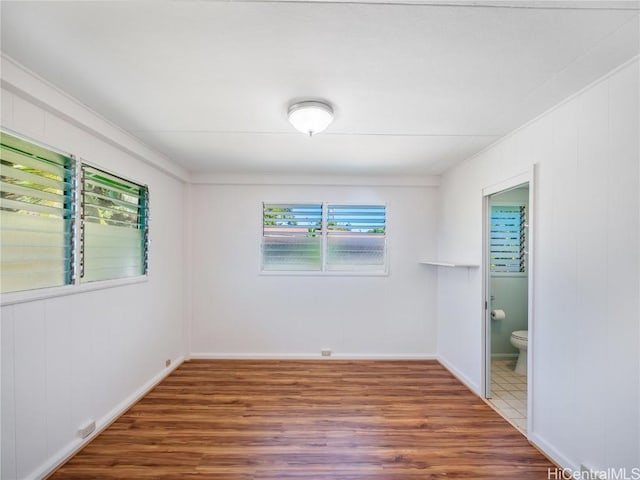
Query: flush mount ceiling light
310	117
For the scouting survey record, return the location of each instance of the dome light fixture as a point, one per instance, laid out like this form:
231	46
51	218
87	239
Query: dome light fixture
310	117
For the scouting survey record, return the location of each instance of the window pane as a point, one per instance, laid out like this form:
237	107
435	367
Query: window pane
114	213
508	239
291	253
112	252
356	237
36	211
291	237
355	252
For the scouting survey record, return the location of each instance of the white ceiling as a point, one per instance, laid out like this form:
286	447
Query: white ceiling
416	86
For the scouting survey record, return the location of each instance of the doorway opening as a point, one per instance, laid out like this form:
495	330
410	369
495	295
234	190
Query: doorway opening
507	285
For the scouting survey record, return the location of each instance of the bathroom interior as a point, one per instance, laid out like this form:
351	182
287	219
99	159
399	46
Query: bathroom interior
508	295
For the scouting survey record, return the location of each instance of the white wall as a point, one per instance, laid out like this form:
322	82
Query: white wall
586	376
237	311
85	356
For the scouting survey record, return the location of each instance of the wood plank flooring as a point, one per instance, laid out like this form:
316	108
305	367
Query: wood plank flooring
313	420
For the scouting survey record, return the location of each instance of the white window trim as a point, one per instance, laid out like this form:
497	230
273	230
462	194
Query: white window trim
24	296
323	231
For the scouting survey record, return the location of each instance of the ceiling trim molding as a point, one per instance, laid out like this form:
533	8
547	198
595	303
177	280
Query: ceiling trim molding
630	5
324	134
316	180
19	80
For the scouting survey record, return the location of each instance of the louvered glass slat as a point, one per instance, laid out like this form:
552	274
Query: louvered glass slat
292	237
33	276
356	237
355	252
363	219
17	176
36	214
34	209
94	177
106	272
111	252
100	212
101	220
127	202
23	160
505	230
36	192
115	214
295	218
94	185
295	252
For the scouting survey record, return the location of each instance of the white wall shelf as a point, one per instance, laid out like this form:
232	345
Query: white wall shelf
448	264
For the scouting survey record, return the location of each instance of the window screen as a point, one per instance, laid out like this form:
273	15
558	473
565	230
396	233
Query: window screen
37	215
292	237
508	239
356	237
114	235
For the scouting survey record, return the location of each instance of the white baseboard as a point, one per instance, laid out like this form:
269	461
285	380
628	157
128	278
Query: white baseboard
549	451
545	448
312	356
385	356
474	387
73	447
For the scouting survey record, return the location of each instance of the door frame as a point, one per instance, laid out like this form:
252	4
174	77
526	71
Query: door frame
526	177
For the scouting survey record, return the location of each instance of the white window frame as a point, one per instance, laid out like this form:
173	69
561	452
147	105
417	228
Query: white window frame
323	272
75	287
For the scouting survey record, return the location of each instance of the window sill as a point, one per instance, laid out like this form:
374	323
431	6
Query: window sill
437	263
13	298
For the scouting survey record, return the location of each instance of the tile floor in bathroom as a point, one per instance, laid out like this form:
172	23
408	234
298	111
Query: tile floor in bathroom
509	392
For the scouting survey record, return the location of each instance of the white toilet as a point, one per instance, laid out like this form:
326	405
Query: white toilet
519	339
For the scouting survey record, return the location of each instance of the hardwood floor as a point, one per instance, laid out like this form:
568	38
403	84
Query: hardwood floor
339	420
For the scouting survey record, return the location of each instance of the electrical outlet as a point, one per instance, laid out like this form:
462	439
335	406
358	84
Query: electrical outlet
86	429
325	352
167	362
